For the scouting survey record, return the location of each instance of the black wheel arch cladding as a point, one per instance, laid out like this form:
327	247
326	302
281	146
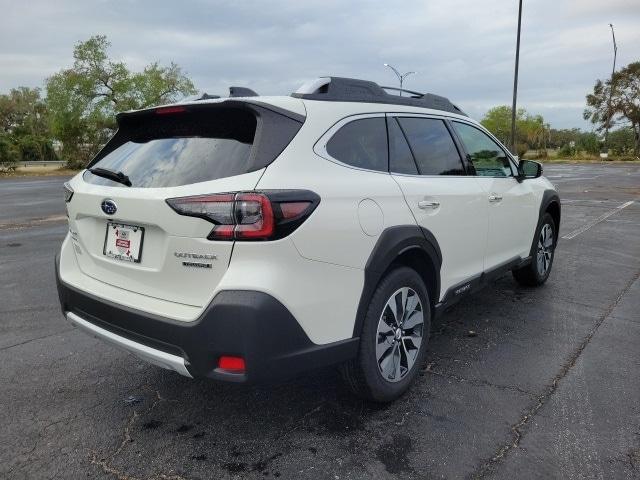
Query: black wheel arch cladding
393	243
550	203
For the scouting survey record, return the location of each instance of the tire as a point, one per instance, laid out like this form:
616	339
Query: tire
542	253
398	355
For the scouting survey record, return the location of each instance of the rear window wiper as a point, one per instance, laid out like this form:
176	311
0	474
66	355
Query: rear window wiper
111	175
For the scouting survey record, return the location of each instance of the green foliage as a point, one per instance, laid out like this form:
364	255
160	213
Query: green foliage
621	141
24	133
530	129
22	112
34	148
84	99
617	100
589	143
8	154
567	151
498	121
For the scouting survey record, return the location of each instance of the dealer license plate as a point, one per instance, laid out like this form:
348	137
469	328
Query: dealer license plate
123	242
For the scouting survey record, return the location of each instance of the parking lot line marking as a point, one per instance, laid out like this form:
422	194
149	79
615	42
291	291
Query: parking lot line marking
601	218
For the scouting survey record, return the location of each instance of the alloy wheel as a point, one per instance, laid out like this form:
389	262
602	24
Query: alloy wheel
399	334
545	249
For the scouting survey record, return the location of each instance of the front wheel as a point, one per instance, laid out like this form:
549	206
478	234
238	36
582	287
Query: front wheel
394	338
537	272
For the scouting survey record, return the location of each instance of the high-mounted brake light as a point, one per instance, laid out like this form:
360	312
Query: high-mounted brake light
167	110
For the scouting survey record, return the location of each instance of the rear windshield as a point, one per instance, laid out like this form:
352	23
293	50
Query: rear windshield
168	150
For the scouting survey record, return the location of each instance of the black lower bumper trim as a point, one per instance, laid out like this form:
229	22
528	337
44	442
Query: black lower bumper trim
250	324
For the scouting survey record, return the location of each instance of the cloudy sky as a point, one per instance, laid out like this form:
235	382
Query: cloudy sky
463	49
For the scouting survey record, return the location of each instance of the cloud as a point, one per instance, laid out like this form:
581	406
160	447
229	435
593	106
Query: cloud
463	49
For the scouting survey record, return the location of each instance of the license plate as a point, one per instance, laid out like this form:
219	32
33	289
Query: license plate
123	242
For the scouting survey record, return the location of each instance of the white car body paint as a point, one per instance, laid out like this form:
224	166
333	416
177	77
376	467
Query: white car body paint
318	271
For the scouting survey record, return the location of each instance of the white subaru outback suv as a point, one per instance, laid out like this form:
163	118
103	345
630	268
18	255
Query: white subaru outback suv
252	238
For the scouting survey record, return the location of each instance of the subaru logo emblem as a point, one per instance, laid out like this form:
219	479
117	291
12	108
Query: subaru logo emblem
108	206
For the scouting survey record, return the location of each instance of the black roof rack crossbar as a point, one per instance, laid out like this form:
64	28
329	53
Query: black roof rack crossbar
340	89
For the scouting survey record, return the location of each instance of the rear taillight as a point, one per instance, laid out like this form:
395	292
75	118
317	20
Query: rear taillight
249	215
254	216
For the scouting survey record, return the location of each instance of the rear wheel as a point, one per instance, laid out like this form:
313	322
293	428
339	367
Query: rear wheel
537	272
394	338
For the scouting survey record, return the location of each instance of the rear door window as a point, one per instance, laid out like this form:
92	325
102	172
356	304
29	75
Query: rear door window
432	146
362	144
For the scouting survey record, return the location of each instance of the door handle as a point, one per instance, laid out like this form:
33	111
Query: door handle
425	204
494	198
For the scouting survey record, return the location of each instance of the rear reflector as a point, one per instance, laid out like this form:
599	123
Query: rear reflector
231	364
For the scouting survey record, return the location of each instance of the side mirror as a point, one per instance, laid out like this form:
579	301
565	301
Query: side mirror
529	169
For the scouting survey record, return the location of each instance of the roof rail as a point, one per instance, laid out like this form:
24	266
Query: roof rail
340	89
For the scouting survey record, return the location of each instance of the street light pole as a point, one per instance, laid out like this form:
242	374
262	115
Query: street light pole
615	53
515	83
401	76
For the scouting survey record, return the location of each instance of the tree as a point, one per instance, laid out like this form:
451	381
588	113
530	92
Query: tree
23	111
84	99
624	105
530	129
621	141
24	132
498	121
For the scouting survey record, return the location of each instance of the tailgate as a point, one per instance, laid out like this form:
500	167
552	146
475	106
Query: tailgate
176	262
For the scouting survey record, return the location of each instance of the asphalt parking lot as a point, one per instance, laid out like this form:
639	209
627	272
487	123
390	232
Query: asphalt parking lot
548	386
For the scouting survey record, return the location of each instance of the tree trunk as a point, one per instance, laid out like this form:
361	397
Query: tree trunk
636	139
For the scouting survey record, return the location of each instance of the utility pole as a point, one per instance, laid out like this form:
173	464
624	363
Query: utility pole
401	76
515	83
615	53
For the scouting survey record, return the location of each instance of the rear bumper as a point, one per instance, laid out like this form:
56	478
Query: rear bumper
250	324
